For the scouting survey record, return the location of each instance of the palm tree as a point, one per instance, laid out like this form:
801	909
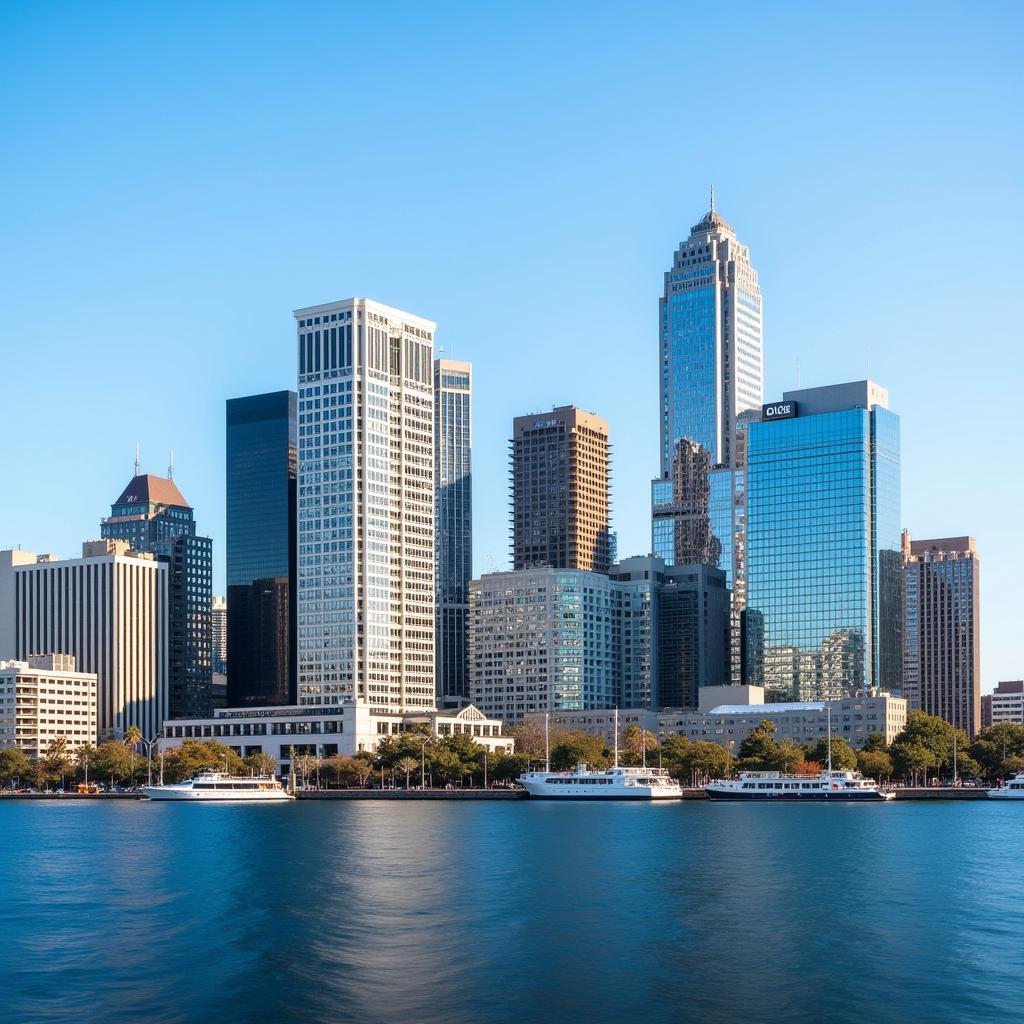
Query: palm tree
407	765
131	740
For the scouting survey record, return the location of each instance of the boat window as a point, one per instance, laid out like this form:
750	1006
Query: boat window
778	785
748	785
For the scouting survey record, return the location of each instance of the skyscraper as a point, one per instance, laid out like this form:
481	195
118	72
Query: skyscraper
823	534
942	629
261	447
109	610
711	380
365	506
152	516
561	490
219	633
454	522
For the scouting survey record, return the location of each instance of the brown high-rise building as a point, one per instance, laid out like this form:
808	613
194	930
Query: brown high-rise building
941	643
561	491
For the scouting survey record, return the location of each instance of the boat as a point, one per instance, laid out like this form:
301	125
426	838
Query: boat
222	787
829	785
586	783
826	785
617	783
1012	789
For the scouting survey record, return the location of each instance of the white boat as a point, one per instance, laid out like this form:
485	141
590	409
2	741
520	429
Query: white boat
586	783
222	787
1012	789
827	785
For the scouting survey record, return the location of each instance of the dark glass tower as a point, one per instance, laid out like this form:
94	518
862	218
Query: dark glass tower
152	515
261	463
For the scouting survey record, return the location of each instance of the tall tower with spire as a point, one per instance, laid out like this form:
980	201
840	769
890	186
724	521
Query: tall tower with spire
711	377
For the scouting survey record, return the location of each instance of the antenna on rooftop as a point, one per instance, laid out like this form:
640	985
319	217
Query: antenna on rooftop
170	465
712	198
138	461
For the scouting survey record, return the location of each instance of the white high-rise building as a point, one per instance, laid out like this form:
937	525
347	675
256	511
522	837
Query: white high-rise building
366	506
109	610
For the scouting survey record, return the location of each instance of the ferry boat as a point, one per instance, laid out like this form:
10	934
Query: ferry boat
219	786
585	783
827	785
1012	789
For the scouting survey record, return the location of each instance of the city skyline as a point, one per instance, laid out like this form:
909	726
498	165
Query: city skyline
236	320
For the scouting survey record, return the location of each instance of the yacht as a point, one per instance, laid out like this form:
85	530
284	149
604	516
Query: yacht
826	785
586	783
1012	789
219	786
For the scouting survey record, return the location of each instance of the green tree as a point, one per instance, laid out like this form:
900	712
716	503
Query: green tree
529	738
995	748
110	763
876	764
261	764
195	756
844	758
936	736
876	741
15	767
910	759
635	744
56	760
508	767
83	761
576	746
343	771
759	752
407	765
701	760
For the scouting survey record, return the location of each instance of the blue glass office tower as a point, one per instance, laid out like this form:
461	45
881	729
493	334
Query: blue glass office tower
261	438
152	515
711	382
453	526
824	545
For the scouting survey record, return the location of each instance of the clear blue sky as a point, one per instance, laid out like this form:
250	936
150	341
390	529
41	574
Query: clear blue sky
177	178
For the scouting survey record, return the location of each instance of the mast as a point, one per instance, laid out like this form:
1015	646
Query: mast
547	751
828	708
615	730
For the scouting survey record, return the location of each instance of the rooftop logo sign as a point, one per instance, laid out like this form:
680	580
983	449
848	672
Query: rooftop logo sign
778	411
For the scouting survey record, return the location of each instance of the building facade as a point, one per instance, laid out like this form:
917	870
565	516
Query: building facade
365	506
823	544
219	634
942	629
261	434
1004	704
152	516
711	380
853	718
561	491
549	639
108	609
453	440
43	699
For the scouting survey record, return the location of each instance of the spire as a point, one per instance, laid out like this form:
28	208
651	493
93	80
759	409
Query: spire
138	461
712	198
170	465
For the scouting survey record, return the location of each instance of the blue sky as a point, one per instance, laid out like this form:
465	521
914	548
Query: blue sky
175	179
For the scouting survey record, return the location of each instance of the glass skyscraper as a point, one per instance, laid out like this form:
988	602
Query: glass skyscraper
152	515
712	383
453	501
824	548
261	449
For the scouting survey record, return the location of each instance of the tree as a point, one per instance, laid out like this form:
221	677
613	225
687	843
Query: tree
83	760
759	752
111	763
936	736
788	756
876	741
15	766
407	765
343	771
844	758
508	767
910	758
529	738
636	742
998	748
195	756
576	746
876	764
362	769
701	760
261	764
56	760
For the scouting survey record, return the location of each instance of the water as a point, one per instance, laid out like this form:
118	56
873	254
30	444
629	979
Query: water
524	913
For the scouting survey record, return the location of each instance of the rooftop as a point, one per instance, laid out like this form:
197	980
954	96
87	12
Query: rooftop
149	488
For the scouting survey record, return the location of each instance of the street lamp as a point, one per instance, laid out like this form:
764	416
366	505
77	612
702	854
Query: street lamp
148	744
423	762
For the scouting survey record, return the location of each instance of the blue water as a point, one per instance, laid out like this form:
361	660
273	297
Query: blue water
525	912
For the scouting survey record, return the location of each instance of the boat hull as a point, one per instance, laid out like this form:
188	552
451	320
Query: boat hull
822	797
212	796
1002	794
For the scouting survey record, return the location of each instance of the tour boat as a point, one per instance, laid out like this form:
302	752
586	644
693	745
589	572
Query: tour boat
586	783
826	785
1012	789
219	786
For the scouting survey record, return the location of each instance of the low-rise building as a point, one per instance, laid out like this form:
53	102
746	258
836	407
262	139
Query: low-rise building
853	718
44	698
1004	704
327	730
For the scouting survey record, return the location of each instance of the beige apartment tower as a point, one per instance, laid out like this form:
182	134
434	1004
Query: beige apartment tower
561	484
941	645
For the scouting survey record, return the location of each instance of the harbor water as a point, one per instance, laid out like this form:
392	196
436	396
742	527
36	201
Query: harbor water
511	913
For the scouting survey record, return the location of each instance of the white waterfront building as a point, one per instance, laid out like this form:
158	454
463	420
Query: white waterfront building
345	729
729	724
365	589
109	610
44	698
